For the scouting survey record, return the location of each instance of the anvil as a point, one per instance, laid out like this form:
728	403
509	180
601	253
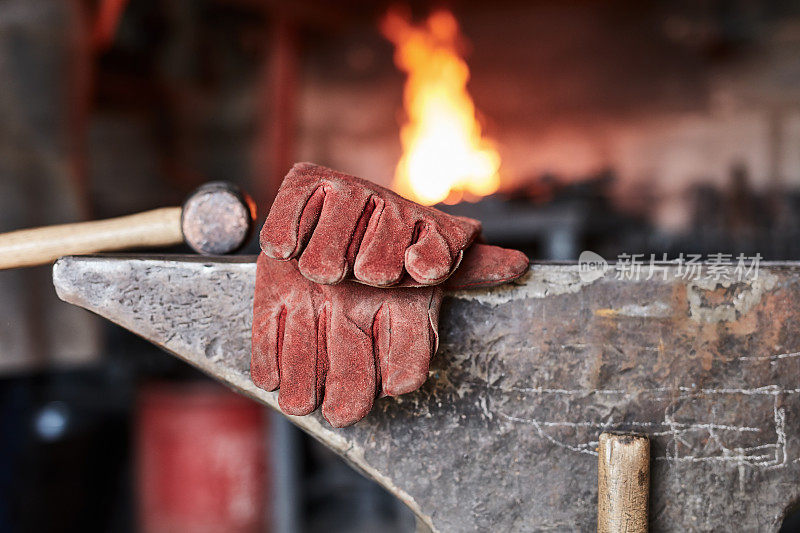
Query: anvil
503	435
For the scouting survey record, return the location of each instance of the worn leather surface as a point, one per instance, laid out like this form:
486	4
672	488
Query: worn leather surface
348	290
341	346
339	226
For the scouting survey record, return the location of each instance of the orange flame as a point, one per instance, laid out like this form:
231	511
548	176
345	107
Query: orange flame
444	153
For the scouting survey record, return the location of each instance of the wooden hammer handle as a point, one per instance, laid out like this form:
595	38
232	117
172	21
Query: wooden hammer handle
39	246
623	483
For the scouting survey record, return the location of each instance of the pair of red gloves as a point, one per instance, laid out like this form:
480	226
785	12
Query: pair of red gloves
348	291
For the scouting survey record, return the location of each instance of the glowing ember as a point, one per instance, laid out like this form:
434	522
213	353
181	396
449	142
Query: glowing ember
444	154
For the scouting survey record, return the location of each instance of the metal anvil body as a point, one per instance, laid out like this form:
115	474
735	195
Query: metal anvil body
503	435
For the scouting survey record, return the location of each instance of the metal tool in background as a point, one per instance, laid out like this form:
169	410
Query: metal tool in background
215	219
503	435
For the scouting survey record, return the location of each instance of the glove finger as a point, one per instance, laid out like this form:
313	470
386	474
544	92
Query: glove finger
405	341
351	382
486	266
429	260
380	259
290	221
268	313
298	362
267	337
344	212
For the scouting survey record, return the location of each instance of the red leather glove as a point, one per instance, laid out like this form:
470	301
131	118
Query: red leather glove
341	226
342	345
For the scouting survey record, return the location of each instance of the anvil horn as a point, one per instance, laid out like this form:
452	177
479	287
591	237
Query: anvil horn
504	434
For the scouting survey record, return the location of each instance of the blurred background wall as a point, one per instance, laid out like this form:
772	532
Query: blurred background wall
621	126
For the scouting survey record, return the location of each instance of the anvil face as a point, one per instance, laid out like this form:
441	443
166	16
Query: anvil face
503	434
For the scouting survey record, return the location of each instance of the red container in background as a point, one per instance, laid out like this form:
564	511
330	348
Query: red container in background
200	460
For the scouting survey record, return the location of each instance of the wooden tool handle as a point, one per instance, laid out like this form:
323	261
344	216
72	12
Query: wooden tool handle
623	488
39	246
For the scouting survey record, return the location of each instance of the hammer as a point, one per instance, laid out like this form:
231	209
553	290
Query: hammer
215	219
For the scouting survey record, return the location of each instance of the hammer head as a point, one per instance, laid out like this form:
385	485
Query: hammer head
217	218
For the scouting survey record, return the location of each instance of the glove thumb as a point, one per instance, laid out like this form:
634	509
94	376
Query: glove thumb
484	265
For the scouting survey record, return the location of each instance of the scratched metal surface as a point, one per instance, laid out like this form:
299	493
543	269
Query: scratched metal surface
503	435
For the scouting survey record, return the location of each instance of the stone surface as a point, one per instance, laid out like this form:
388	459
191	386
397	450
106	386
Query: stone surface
503	435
